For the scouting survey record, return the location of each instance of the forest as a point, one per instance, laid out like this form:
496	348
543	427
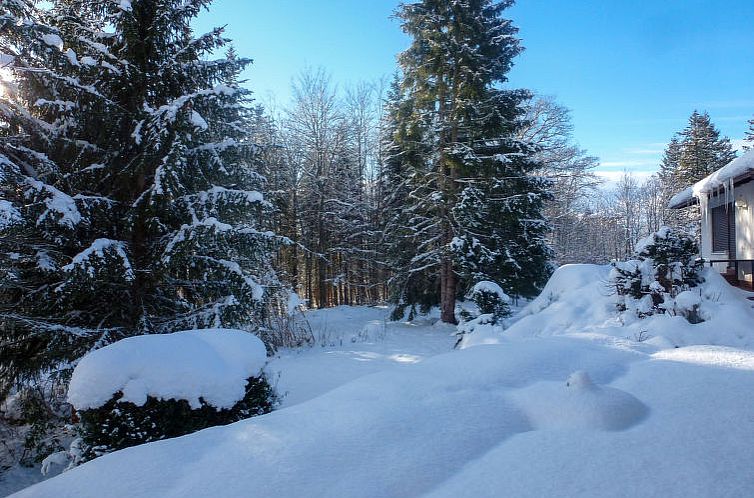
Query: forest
144	190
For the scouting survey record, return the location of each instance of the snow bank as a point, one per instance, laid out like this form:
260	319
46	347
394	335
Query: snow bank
579	301
211	364
579	404
556	416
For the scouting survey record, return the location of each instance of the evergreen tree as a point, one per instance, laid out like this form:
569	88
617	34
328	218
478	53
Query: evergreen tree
410	284
749	136
474	207
702	150
694	153
671	160
136	204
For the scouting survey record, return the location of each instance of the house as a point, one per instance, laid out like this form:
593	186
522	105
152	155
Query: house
726	200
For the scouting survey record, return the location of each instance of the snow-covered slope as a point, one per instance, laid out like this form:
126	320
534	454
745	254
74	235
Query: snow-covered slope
579	301
563	404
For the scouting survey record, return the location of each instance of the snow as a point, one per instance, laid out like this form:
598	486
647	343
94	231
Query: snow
722	178
565	402
58	203
211	364
682	198
198	121
83	260
579	301
6	60
71	55
579	404
492	288
9	215
53	40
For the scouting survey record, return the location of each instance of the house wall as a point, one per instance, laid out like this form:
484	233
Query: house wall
744	230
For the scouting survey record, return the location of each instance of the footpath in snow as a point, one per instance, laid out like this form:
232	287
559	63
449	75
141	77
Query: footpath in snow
568	401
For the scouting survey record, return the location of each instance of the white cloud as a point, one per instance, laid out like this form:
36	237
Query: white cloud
643	152
627	163
614	176
611	178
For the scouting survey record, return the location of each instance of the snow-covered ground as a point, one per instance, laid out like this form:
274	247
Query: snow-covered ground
569	401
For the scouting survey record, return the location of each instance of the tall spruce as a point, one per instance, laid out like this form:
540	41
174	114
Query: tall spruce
135	200
749	136
702	150
691	155
474	207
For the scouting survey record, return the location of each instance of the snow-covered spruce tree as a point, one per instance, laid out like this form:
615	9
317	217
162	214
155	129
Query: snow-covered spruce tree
475	206
52	210
749	136
410	285
133	197
666	266
695	152
702	150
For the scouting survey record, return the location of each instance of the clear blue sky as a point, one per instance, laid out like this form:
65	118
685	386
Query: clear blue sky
631	71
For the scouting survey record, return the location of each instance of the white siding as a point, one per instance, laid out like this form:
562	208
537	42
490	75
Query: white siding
744	229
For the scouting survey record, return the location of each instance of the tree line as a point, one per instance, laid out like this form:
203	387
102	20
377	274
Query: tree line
142	190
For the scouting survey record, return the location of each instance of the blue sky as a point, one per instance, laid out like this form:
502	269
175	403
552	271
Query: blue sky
631	71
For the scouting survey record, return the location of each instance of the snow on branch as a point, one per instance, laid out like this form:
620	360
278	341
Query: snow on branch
56	202
85	259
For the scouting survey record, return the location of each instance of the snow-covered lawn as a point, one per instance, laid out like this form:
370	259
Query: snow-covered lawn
566	402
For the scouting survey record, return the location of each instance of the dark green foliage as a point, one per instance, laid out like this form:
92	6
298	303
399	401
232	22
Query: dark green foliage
466	201
130	198
666	265
490	303
749	137
117	425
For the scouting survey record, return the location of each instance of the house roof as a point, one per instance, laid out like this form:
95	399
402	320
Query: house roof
739	169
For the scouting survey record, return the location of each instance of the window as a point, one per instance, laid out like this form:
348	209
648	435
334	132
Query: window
724	230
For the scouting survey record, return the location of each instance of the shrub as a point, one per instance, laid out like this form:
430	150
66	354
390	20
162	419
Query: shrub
491	300
118	424
665	267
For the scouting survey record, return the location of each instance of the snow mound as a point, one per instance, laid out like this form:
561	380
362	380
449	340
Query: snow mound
579	404
210	364
579	301
487	421
492	288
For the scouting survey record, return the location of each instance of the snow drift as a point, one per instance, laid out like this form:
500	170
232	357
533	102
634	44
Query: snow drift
212	364
564	403
580	301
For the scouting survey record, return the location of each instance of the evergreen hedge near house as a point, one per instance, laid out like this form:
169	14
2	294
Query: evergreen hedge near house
659	280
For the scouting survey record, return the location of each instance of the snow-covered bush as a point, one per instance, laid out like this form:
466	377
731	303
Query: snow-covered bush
153	387
492	305
666	267
491	300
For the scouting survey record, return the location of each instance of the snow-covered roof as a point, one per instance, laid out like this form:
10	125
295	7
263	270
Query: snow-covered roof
725	176
209	364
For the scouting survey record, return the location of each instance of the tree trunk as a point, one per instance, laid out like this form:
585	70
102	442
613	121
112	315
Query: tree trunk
448	284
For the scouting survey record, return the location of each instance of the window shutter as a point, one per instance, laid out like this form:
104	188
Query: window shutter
723	229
